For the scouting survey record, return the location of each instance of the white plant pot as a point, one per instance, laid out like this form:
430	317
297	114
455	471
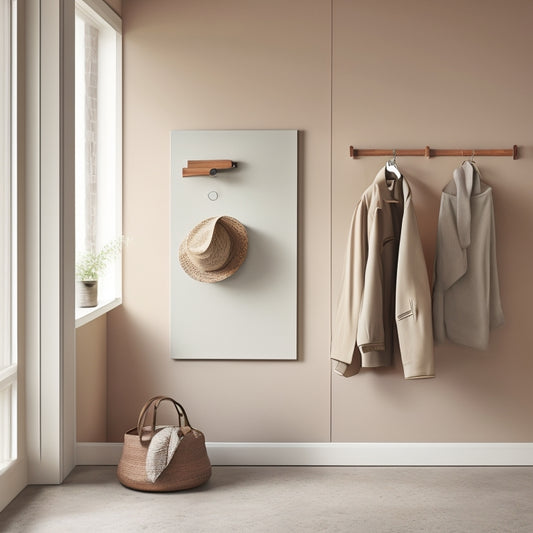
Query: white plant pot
86	293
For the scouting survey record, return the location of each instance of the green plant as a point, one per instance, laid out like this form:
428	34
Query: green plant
92	264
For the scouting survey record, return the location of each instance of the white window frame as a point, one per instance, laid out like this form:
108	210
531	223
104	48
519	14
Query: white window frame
46	377
13	471
8	359
101	13
49	240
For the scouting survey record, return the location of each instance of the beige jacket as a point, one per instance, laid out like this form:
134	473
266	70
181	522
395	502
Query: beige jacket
385	283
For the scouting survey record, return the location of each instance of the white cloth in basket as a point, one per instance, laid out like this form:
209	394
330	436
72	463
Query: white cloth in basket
161	450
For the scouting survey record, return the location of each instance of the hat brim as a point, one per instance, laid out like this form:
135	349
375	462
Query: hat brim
239	239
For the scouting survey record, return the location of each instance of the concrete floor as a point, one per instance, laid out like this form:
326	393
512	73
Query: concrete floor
287	499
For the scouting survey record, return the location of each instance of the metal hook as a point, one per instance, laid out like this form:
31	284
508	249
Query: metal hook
392	161
472	157
392	166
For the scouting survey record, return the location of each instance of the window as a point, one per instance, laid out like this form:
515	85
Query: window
8	360
98	95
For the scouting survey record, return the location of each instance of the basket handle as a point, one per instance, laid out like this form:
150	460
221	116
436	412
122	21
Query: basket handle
155	402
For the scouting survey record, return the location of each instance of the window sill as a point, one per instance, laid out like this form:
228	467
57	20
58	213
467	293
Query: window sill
84	315
4	465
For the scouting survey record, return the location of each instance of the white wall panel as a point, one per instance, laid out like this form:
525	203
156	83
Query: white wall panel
252	314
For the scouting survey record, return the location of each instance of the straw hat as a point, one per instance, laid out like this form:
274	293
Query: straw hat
214	249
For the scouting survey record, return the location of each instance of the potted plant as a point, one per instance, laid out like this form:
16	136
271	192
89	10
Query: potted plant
90	267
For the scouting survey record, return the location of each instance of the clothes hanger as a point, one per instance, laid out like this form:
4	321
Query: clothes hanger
472	161
392	166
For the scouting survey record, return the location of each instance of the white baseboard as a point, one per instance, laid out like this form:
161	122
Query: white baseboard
339	454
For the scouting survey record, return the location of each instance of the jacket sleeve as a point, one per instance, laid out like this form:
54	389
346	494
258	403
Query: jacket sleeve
370	327
413	303
344	328
496	311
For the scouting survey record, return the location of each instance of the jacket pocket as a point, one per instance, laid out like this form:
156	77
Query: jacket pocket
410	312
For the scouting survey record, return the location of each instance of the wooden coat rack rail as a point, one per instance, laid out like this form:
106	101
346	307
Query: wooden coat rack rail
434	152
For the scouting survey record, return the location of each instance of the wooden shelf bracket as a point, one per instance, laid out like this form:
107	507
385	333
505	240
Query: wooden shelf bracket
206	167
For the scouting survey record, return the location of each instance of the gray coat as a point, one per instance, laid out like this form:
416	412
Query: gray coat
466	294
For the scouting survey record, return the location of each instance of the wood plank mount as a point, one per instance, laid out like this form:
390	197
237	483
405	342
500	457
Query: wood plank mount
206	167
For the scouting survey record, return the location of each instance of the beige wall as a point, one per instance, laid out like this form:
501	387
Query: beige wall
217	65
402	74
91	381
446	74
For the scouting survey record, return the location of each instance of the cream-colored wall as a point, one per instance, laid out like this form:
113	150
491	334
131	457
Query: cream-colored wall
400	74
444	74
221	65
91	381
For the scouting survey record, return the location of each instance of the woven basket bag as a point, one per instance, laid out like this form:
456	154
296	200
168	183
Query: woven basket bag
188	468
